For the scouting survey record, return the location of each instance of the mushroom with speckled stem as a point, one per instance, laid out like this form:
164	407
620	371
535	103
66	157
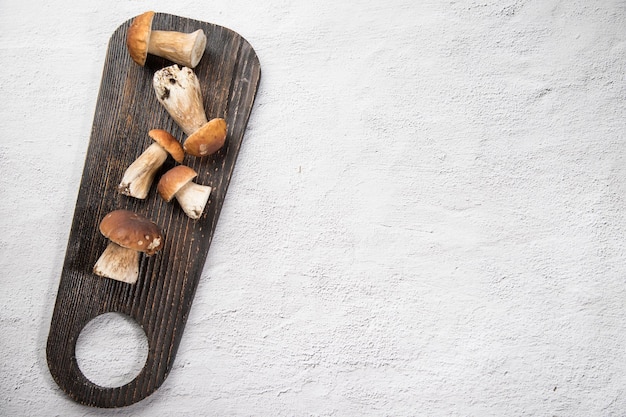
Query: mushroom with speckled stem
178	90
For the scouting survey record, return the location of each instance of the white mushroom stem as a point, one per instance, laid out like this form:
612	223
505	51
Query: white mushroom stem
119	263
140	174
178	90
192	198
184	48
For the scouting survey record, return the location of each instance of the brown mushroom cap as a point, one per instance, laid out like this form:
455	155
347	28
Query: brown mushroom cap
132	231
208	139
173	180
169	143
138	37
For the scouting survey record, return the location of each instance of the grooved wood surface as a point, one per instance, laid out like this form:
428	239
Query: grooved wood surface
160	301
426	216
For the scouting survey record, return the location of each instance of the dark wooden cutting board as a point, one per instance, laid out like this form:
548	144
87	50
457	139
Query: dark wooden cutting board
126	109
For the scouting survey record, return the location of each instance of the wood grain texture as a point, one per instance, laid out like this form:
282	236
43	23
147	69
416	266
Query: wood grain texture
127	108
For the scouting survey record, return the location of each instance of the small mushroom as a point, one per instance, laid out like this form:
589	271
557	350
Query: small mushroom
192	197
139	175
178	90
182	48
129	234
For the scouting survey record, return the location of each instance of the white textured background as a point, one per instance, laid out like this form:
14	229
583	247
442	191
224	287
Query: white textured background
426	218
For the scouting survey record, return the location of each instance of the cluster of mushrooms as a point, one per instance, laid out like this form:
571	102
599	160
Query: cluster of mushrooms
177	88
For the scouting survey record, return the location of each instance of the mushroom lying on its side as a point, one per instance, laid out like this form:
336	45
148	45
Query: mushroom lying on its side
192	197
182	48
129	234
140	174
178	90
208	139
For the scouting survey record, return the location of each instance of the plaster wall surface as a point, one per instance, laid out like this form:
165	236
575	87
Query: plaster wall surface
426	217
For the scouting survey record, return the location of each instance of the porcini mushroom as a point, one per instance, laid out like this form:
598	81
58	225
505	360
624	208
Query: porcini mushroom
206	140
129	234
182	48
178	90
192	197
139	175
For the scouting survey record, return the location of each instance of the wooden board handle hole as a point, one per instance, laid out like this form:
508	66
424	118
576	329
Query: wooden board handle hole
111	350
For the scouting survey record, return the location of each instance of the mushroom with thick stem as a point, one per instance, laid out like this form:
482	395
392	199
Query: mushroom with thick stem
178	90
139	175
192	197
129	234
182	48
